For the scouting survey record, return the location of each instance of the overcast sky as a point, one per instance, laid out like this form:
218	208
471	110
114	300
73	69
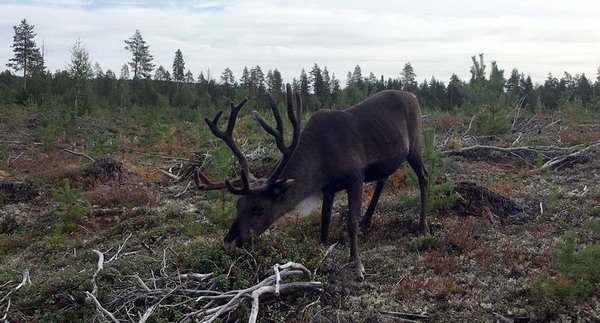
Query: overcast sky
437	37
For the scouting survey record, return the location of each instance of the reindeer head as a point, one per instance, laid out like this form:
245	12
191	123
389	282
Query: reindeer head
258	210
263	201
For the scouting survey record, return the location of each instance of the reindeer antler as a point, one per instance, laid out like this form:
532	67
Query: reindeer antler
238	187
277	132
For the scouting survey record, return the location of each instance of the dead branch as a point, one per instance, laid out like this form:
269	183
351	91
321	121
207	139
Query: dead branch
560	159
99	268
502	318
408	317
79	154
116	255
5	317
193	294
101	309
26	279
277	291
469	127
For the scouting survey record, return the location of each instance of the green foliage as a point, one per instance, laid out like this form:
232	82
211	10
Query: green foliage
554	201
441	193
593	224
70	210
492	120
573	272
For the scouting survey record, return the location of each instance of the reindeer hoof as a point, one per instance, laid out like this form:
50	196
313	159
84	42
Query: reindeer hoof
424	229
360	270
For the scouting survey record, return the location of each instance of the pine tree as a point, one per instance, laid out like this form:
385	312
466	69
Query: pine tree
80	67
453	93
160	74
319	88
478	69
258	79
327	80
98	70
227	77
497	80
408	78
304	84
512	85
245	79
275	83
583	88
27	54
141	62
80	70
335	87
188	77
357	78
124	72
178	67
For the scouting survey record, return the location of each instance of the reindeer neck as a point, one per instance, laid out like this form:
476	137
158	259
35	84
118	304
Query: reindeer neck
303	169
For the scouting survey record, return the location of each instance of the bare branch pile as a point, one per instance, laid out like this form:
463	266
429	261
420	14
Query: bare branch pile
195	296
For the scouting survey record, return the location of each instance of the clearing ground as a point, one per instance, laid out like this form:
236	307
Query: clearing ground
495	255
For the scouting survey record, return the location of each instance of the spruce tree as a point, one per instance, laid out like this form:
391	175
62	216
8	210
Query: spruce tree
141	62
178	67
27	54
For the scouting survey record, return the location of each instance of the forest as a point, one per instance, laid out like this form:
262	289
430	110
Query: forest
91	228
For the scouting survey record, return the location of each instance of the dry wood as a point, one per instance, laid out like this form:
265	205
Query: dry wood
26	279
560	159
101	309
79	154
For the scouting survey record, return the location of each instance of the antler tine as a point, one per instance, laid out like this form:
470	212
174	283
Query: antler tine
278	132
275	110
287	151
227	137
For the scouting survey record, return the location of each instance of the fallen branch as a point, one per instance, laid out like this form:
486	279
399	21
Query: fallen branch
5	317
556	161
99	268
26	279
277	291
79	154
116	255
407	316
101	309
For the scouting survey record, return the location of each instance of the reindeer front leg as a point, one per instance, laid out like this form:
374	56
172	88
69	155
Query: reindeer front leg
355	190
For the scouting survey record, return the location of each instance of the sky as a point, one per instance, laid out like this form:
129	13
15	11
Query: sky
438	38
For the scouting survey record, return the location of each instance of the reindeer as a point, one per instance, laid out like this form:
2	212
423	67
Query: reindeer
336	150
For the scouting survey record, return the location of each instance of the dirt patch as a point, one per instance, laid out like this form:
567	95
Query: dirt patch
16	192
107	168
477	200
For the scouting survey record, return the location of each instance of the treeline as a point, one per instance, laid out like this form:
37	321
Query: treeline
140	83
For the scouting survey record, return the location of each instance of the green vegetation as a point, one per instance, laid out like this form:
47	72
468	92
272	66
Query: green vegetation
573	272
441	189
70	210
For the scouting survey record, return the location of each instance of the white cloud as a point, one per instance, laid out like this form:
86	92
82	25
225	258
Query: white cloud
438	39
